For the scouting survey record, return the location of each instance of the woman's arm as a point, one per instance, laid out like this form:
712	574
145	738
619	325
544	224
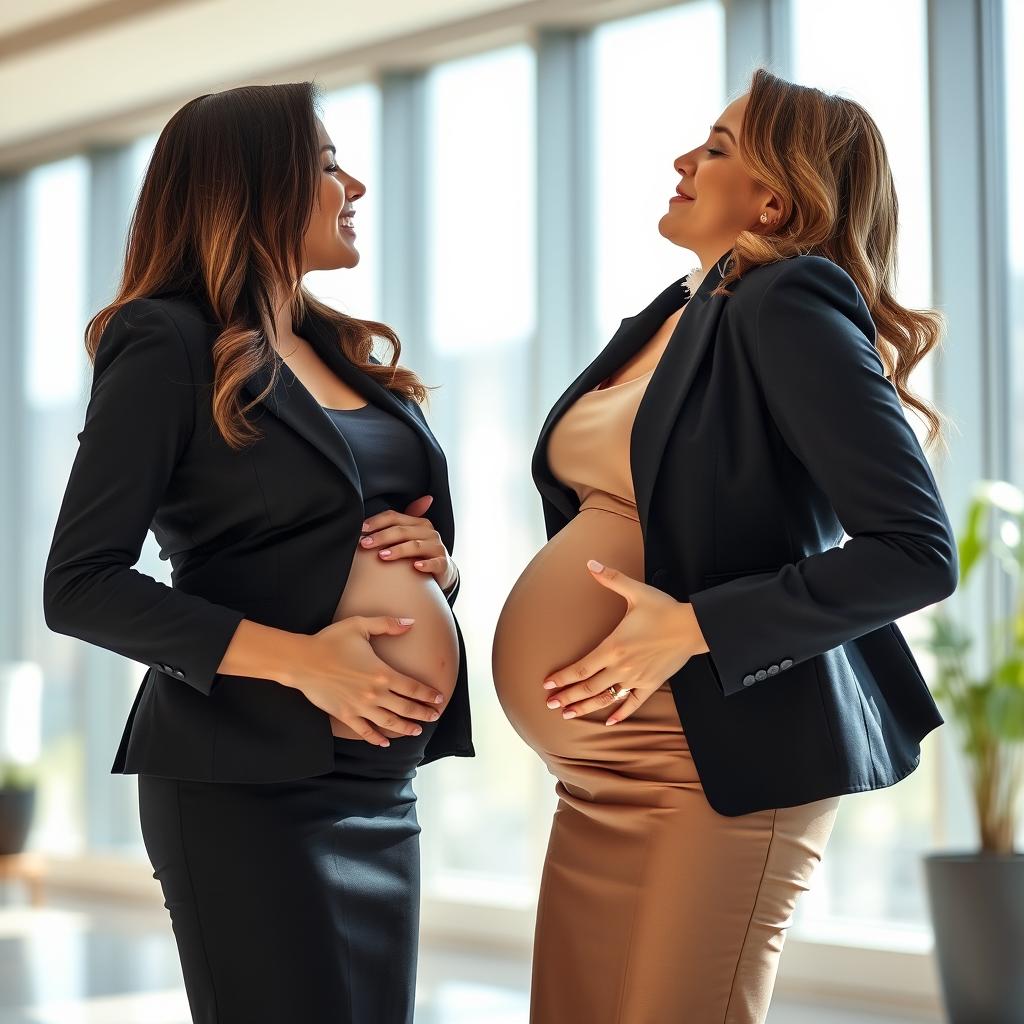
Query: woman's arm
824	384
138	422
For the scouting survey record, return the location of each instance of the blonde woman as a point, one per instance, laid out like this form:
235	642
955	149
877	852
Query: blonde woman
699	661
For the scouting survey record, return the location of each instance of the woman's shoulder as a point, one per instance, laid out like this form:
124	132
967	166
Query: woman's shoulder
805	284
804	270
804	308
185	316
189	311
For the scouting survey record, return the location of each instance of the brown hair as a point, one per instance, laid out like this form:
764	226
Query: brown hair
222	212
824	157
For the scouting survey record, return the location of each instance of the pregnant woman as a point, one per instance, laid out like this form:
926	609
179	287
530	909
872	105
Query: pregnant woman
701	666
306	658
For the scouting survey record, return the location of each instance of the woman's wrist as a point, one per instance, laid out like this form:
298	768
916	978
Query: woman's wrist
265	652
690	629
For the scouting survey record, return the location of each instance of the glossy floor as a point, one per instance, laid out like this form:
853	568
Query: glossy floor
75	962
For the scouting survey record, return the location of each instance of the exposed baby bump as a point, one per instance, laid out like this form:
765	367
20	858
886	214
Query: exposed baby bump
429	649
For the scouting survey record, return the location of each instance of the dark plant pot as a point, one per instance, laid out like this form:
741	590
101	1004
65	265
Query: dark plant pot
16	807
977	910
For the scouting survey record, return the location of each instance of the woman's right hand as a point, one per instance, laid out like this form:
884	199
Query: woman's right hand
342	674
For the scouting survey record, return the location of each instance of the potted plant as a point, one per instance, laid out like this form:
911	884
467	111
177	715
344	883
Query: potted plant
976	897
17	804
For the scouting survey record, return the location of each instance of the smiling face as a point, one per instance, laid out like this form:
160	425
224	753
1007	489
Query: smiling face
330	240
716	197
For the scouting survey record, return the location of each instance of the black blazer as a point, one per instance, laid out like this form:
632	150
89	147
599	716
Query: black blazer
266	533
766	431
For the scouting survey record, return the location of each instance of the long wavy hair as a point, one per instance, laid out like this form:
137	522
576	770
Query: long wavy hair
222	212
823	155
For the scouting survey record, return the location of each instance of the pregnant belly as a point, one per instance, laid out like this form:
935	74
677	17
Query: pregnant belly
556	613
428	650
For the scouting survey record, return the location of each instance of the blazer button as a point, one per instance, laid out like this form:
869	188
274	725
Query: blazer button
748	680
785	663
760	674
179	673
773	670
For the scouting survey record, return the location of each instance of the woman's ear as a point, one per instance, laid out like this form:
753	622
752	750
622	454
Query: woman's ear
773	207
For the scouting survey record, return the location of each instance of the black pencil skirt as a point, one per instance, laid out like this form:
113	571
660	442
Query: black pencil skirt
294	902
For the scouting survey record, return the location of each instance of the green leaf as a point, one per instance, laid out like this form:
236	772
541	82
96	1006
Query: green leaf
971	543
1006	713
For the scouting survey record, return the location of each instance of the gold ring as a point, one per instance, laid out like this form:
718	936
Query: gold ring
618	694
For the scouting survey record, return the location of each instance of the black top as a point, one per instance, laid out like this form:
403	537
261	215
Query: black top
389	454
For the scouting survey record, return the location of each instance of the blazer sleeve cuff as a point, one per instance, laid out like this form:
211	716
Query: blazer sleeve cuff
731	655
210	638
452	593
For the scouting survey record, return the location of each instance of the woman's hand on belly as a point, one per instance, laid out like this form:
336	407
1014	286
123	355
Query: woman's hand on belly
341	673
656	636
395	535
429	652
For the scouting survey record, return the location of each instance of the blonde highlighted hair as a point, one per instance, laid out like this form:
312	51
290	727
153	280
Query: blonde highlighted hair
824	157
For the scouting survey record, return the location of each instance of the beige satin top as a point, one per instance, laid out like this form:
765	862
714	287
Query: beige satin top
588	449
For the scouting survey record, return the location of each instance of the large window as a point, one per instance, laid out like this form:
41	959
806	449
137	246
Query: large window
56	371
351	118
1013	47
659	83
480	317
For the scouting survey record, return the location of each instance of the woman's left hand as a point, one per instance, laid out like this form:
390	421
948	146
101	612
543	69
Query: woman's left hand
407	534
655	638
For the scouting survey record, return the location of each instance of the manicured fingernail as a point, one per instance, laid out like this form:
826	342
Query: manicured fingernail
417	731
611	721
439	699
434	717
568	714
594	564
386	743
419	565
549	684
366	526
366	540
386	552
406	622
552	703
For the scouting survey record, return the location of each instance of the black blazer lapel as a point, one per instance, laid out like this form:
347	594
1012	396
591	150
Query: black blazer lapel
669	385
294	405
663	395
291	402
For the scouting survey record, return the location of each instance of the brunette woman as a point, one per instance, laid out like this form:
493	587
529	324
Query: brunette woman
306	659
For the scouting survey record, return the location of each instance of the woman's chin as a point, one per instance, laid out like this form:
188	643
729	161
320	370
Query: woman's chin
670	230
348	256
